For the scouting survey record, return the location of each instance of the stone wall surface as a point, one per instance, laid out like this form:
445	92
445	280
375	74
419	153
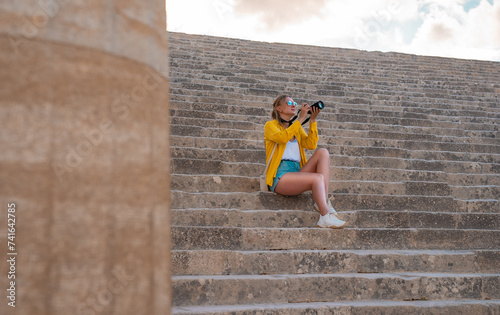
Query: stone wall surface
84	110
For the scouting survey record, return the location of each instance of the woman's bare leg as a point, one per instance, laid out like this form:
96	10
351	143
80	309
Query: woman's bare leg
295	183
319	163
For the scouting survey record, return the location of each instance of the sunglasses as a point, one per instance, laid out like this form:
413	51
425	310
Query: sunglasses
290	103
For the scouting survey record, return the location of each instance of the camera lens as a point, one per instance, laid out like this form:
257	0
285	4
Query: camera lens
319	104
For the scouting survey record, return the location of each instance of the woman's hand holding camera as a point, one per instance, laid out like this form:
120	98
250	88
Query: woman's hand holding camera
314	112
305	110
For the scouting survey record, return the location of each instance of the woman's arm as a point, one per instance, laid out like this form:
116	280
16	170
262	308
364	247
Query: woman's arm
310	140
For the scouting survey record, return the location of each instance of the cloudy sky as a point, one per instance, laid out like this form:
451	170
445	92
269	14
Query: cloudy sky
449	28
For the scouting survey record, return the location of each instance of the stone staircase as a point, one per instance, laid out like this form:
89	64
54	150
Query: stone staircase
415	160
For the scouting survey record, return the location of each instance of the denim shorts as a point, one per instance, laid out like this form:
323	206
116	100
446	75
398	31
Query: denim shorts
286	166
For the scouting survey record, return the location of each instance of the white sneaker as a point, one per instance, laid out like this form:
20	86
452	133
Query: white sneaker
330	208
330	221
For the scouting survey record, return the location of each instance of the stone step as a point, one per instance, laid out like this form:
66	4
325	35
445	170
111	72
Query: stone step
347	75
233	238
214	167
340	75
423	113
322	57
232	183
214	123
414	203
258	144
236	262
325	85
342	155
412	145
366	307
260	105
252	142
252	122
260	289
203	103
364	90
355	219
270	201
335	130
331	98
437	164
358	88
359	168
214	183
352	129
209	43
240	115
472	138
476	192
258	115
329	131
466	180
360	94
427	188
356	123
414	122
346	202
230	155
216	143
235	183
316	65
204	132
253	138
346	79
459	162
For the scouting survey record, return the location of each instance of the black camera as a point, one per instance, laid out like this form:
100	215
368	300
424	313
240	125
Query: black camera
319	104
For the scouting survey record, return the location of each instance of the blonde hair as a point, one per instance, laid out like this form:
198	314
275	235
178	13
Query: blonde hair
276	103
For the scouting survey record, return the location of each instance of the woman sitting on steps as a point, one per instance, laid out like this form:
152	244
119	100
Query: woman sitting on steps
289	173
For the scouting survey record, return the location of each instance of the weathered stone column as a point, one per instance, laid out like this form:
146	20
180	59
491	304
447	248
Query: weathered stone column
84	156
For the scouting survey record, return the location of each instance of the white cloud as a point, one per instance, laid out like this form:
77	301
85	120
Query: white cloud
425	27
450	31
280	13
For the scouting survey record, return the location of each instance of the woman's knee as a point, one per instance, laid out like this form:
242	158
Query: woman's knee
318	178
323	153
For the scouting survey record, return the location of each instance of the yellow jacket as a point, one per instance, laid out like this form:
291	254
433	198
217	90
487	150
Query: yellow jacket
275	133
